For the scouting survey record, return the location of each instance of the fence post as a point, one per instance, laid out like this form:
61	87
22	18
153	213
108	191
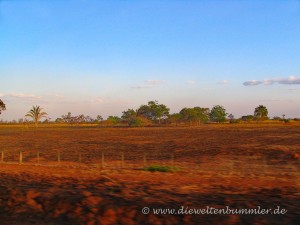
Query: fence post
265	165
122	160
38	157
172	159
102	160
21	158
79	159
145	159
2	157
231	165
58	156
197	164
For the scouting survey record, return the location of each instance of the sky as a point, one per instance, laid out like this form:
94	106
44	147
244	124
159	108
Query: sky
101	57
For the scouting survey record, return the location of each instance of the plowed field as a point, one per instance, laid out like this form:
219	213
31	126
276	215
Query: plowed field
219	166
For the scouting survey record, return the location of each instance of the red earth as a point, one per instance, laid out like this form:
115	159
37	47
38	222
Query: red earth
239	166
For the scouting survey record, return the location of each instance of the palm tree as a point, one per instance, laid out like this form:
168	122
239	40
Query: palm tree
36	114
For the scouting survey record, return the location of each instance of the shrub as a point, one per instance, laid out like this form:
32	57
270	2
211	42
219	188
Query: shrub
157	168
140	121
234	121
247	118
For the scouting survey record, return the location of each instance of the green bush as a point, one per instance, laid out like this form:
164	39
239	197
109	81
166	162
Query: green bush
139	121
157	168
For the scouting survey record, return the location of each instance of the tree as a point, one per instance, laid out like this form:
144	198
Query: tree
2	106
202	114
261	112
113	120
129	116
78	119
36	114
88	119
276	118
99	118
175	118
196	114
218	114
47	120
67	118
140	121
59	120
154	111
231	116
247	118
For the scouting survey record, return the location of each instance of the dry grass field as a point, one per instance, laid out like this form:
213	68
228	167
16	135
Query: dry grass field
240	166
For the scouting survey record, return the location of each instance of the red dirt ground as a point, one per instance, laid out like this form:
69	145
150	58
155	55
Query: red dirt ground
240	166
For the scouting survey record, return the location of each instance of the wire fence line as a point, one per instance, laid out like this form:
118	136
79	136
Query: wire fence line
100	159
198	149
123	160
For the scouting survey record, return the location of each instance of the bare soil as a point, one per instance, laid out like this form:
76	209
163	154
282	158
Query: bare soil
239	166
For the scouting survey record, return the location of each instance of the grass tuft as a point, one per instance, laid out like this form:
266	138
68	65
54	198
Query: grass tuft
158	168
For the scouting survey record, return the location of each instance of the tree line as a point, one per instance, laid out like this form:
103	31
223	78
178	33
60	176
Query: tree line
155	113
152	113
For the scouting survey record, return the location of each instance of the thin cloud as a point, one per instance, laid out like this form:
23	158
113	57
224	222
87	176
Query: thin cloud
148	84
58	96
191	82
270	100
153	82
97	100
291	80
30	98
24	96
268	82
252	83
293	89
141	87
223	82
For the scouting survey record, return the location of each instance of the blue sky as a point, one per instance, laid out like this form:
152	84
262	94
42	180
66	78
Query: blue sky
103	57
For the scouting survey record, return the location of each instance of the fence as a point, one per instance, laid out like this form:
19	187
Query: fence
97	159
124	160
